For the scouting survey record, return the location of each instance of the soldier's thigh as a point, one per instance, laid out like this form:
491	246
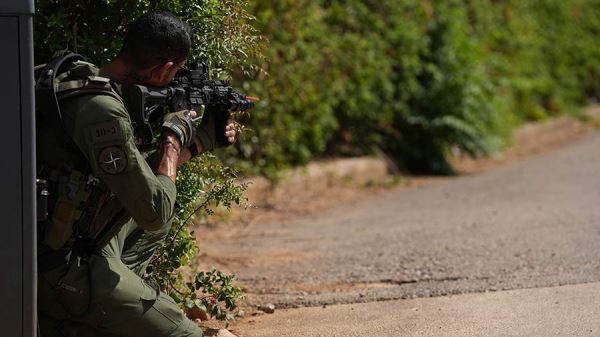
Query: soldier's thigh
139	248
133	309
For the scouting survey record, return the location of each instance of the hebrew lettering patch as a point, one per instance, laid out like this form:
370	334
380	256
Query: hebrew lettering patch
105	132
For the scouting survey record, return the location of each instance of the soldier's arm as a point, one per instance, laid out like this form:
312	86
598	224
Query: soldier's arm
104	134
170	154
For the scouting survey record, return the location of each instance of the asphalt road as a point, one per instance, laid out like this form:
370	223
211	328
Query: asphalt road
533	223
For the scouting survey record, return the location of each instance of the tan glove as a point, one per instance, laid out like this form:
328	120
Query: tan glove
181	124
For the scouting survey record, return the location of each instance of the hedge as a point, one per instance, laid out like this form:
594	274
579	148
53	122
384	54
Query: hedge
413	79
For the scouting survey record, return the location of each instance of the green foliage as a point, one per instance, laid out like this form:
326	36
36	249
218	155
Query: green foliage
223	30
289	127
453	103
414	78
202	184
216	288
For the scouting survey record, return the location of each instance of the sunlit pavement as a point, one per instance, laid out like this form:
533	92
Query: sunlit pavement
558	311
534	223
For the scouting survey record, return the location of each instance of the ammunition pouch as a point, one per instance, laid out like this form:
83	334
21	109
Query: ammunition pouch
70	191
66	273
75	288
83	210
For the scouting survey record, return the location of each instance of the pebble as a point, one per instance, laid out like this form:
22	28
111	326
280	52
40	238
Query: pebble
269	308
224	333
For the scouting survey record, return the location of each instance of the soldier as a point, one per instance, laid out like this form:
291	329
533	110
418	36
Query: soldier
92	285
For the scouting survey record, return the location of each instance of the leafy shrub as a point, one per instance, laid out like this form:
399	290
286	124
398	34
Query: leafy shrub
414	78
202	184
294	119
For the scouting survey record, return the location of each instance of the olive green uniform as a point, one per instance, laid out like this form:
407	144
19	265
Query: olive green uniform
102	293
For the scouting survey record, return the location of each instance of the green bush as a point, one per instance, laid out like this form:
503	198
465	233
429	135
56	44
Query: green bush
414	78
294	119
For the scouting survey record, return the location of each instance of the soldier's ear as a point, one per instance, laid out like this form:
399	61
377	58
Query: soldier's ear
173	70
165	70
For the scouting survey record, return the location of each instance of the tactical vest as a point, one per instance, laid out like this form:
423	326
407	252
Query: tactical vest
73	205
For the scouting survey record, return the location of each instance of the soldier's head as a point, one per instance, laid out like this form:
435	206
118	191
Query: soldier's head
155	47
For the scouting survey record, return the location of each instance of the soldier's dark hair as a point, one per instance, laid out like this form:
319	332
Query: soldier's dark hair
156	37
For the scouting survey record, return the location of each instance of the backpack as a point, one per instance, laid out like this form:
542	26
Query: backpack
54	82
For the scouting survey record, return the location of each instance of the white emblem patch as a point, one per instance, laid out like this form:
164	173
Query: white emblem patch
112	160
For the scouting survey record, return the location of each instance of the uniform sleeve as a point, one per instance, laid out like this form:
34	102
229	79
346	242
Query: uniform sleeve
102	129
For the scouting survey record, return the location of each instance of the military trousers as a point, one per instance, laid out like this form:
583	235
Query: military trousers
105	295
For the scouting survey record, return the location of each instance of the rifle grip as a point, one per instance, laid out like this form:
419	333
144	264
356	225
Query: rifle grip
220	124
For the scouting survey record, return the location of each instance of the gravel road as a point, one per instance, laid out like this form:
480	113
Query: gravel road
532	223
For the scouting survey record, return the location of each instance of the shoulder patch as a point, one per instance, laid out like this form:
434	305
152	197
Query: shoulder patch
105	132
112	160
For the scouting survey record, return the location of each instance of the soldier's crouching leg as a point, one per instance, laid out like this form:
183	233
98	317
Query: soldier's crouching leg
122	304
132	307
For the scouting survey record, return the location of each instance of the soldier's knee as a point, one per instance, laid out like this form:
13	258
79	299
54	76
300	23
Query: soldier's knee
165	305
187	328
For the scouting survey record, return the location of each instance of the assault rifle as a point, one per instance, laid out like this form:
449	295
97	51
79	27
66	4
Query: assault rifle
191	89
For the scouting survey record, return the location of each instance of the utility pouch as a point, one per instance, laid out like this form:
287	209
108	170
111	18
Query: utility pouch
70	201
74	288
102	216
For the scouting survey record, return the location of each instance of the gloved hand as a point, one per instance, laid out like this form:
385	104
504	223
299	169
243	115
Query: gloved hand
180	123
216	130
